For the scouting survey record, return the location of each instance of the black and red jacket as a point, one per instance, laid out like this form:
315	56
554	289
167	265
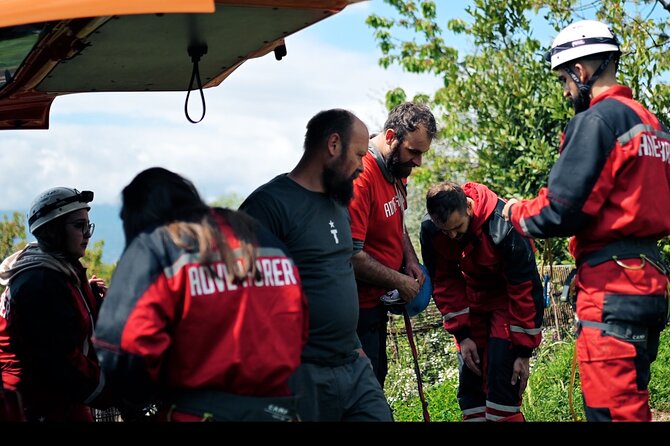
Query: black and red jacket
46	350
611	181
167	325
492	267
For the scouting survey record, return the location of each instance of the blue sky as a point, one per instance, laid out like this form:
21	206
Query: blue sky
253	129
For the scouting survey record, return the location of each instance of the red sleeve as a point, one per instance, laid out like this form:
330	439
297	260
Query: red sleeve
450	297
148	332
359	208
448	283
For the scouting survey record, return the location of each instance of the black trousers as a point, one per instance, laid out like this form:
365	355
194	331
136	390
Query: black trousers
372	323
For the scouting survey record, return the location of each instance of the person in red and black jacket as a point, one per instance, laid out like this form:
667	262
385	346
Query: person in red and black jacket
488	290
48	313
610	188
205	317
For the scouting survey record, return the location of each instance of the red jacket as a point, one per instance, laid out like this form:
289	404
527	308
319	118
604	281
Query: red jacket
492	267
46	351
167	325
611	182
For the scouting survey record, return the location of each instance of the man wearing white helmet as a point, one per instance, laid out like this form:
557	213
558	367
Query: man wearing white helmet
48	311
609	189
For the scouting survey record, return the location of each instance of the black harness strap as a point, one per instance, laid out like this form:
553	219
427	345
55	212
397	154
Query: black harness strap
627	332
625	249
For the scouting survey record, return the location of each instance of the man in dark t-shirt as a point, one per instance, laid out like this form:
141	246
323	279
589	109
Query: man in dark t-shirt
306	209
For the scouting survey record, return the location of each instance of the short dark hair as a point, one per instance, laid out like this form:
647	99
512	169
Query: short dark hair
407	117
443	199
325	123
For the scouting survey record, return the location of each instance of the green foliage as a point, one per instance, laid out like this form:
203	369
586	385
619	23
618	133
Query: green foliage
12	234
93	262
659	387
665	249
501	111
230	201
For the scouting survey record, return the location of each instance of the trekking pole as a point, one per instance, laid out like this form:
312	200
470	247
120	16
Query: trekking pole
415	356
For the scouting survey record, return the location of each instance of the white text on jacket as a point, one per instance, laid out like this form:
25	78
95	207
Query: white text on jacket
275	272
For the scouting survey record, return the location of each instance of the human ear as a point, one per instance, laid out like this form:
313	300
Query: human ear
333	143
389	134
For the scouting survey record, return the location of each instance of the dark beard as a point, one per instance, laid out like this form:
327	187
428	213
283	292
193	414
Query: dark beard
582	102
398	169
340	189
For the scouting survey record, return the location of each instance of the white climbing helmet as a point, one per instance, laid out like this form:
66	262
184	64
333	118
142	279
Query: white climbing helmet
55	202
581	39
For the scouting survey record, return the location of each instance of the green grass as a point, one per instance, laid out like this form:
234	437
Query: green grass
546	397
659	387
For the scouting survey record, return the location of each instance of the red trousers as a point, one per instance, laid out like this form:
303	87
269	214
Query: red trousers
630	296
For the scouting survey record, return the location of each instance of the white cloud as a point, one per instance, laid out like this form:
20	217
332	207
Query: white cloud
252	131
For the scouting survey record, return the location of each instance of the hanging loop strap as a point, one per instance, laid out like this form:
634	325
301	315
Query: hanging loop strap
196	52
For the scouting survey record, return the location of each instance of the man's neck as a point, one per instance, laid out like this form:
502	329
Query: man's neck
308	176
379	142
602	84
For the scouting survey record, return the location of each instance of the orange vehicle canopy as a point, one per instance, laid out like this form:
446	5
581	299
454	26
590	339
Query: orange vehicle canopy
60	47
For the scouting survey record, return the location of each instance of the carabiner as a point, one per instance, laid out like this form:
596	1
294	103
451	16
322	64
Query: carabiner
634	268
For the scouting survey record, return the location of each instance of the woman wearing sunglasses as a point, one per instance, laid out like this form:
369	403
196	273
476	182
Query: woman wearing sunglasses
48	311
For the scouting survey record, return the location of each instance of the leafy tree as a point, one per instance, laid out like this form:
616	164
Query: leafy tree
231	201
94	264
12	234
500	108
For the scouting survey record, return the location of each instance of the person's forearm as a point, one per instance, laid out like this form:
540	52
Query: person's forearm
369	270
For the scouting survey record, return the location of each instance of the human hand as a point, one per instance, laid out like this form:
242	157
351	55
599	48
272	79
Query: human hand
470	355
413	269
98	284
506	212
521	372
408	288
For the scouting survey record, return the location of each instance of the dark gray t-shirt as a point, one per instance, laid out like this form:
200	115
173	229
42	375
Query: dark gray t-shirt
317	233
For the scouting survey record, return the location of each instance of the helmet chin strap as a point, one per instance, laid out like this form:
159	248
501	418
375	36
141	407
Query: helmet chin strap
583	101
